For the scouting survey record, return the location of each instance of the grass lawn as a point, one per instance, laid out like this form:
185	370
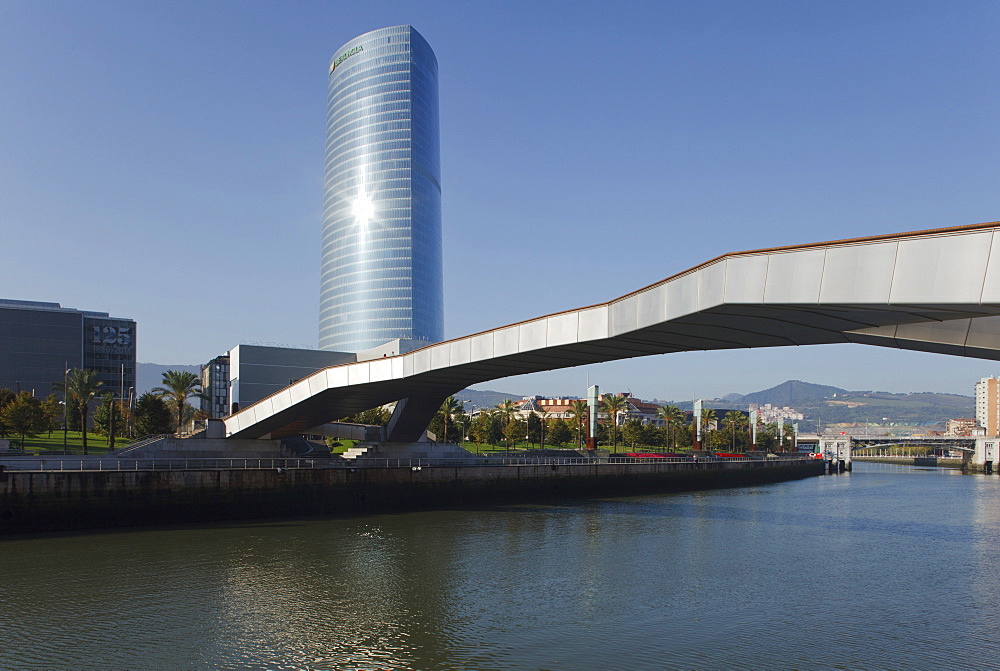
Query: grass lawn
342	445
96	443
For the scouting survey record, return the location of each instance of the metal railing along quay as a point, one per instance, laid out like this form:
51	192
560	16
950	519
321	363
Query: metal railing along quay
41	464
53	463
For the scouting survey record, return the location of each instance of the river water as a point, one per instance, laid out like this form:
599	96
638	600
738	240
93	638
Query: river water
888	567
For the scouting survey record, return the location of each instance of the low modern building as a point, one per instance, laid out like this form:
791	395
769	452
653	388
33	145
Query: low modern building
249	373
40	341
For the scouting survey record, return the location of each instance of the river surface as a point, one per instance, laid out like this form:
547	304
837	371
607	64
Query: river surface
888	567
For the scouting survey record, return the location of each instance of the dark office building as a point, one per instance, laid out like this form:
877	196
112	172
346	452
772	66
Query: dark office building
39	341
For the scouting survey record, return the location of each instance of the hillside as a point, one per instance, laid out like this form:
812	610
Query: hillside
883	407
477	398
830	405
788	393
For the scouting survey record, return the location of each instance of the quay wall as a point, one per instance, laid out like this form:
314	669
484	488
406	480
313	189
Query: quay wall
36	501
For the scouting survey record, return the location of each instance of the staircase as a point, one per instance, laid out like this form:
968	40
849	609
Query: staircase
358	450
142	442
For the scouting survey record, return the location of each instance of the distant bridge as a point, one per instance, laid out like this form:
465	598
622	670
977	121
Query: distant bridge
954	443
934	291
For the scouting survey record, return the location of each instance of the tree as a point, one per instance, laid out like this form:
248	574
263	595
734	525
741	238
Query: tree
24	416
108	418
6	396
652	435
53	413
151	416
672	417
514	429
767	437
449	408
178	387
559	432
479	428
80	387
613	405
534	429
506	409
579	409
543	425
506	412
372	416
684	435
735	421
487	428
632	432
708	417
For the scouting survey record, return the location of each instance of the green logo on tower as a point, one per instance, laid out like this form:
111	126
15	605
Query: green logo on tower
345	55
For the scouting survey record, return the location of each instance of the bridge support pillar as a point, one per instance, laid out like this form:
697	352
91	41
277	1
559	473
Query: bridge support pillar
412	415
984	458
836	450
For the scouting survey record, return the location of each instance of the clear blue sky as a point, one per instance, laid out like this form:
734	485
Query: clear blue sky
164	161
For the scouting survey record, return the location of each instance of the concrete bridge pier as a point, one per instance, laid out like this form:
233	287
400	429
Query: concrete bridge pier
836	450
413	414
984	458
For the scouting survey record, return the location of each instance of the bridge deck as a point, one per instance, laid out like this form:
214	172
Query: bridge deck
935	291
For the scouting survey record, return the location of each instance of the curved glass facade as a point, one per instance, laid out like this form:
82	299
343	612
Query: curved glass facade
381	274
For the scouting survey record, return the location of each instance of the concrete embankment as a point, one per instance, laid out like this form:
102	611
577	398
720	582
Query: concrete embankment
32	501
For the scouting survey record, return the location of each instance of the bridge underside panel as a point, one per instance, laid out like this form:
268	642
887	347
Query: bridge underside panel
927	291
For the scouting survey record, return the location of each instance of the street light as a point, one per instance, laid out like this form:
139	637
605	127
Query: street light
65	406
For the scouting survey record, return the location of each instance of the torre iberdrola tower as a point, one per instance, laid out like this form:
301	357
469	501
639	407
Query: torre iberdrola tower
381	274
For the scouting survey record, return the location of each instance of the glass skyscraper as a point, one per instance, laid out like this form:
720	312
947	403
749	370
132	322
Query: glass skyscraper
381	274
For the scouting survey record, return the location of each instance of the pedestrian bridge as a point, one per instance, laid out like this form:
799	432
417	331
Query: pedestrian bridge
933	291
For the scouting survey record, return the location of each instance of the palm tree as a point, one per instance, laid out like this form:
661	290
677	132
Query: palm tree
707	417
506	410
80	387
734	419
542	414
613	405
671	416
179	386
578	409
449	408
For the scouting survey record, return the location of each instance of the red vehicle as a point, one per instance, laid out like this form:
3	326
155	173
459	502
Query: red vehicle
730	455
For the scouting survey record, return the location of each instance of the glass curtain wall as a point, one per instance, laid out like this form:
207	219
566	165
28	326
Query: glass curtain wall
381	274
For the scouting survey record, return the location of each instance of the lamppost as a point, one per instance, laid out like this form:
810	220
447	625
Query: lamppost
65	405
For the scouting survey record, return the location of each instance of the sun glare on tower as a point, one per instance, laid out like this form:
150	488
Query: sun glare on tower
363	208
